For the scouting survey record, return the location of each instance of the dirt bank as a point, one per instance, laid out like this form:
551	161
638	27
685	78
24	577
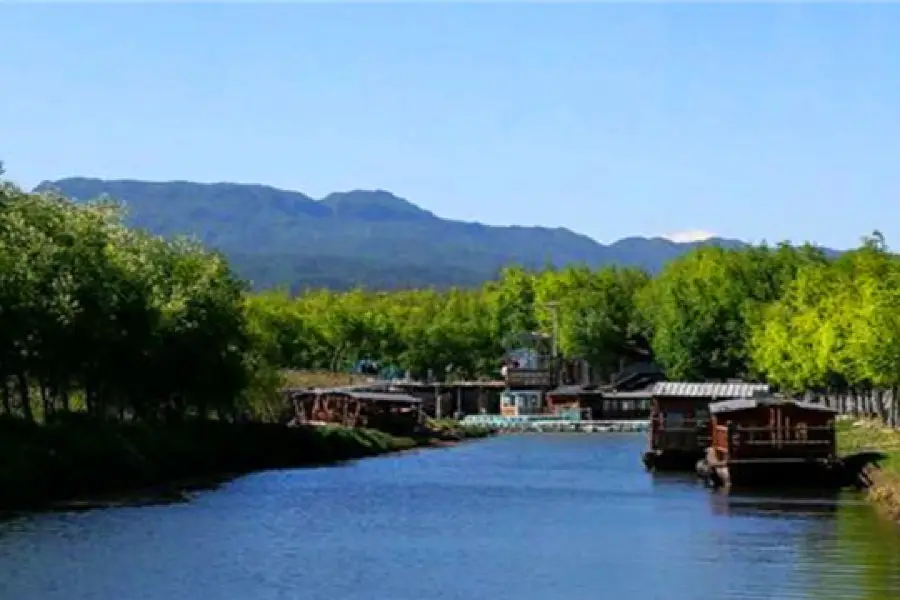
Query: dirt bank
854	436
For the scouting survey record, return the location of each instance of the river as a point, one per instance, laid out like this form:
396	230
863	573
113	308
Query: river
531	517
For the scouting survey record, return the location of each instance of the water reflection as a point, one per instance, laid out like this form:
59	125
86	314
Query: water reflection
774	505
529	517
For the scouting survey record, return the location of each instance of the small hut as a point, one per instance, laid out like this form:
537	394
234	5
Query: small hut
571	401
679	415
771	441
597	404
388	411
520	403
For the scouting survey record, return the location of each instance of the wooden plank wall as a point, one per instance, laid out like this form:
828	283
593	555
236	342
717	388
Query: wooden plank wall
881	403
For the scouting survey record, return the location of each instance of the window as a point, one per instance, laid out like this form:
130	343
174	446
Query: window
674	419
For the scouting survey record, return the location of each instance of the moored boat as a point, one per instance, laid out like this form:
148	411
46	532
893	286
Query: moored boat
679	421
769	442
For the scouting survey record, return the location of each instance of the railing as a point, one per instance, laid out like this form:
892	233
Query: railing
751	440
677	438
549	423
529	378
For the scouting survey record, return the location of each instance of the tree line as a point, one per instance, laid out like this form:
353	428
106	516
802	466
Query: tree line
98	317
101	318
792	316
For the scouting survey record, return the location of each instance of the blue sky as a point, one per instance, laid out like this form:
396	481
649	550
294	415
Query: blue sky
778	121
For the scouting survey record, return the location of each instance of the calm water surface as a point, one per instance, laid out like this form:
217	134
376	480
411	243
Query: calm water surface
530	517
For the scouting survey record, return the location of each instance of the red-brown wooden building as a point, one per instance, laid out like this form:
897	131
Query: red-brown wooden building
679	415
768	440
388	411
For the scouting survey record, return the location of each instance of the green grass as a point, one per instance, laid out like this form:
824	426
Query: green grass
453	429
326	379
857	435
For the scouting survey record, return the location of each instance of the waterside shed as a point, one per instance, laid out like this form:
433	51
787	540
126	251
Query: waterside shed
389	411
679	414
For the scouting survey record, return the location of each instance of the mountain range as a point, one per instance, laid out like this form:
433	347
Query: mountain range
280	238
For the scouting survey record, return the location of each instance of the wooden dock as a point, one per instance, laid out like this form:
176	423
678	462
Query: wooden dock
549	424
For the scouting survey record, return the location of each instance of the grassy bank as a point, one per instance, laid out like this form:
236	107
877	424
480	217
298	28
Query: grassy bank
451	430
79	461
854	436
297	378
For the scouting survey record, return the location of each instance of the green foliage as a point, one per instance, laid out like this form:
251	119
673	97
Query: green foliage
146	328
702	308
77	458
136	326
360	238
837	324
456	333
791	316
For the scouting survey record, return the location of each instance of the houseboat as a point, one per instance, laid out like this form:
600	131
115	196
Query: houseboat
353	407
768	442
521	403
679	420
592	403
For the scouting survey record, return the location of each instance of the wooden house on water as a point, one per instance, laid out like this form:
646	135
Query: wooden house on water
628	397
520	403
679	420
525	388
595	404
765	441
351	407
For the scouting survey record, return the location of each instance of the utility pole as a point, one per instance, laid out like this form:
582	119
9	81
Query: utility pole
554	308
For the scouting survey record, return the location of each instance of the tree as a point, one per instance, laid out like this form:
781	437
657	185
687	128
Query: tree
136	326
702	307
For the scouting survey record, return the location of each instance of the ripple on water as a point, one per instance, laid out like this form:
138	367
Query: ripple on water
526	517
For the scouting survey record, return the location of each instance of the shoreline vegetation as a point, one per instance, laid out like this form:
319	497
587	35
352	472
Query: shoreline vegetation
867	434
77	462
127	359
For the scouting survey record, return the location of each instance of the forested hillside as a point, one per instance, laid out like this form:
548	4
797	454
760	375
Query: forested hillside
791	316
278	238
102	317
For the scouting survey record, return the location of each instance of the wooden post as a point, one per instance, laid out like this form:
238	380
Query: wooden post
437	401
731	446
894	408
458	400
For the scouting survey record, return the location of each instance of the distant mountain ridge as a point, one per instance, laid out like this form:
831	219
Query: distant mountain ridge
373	238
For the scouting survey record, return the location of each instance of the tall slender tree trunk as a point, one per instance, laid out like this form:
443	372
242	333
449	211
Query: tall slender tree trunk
880	406
894	407
25	397
7	397
47	403
90	397
66	398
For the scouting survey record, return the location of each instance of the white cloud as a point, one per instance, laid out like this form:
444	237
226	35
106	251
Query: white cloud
694	235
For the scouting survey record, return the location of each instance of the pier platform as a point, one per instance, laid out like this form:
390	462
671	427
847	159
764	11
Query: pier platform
549	424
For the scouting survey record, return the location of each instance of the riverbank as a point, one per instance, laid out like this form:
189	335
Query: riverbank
77	462
854	436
